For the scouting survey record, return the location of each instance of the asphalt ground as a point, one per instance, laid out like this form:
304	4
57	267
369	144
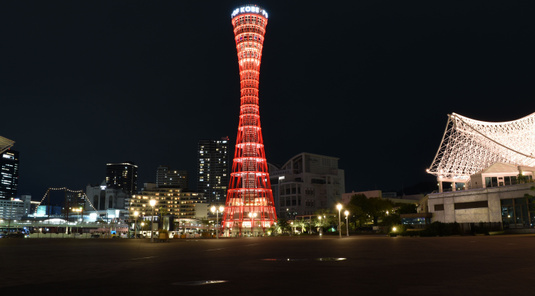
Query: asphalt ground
359	265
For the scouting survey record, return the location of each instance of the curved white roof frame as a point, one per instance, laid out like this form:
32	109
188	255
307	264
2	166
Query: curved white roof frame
5	144
469	146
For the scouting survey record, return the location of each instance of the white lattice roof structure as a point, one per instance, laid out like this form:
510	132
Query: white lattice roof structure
469	146
5	144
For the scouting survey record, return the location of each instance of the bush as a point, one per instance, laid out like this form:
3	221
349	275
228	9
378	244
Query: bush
482	228
441	229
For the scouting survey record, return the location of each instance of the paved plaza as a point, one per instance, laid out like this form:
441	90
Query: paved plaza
360	265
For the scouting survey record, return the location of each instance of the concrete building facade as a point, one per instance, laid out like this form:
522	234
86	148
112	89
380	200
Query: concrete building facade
15	208
500	198
106	200
306	183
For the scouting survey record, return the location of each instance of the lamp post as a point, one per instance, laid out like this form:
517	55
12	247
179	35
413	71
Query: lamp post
79	212
217	210
347	224
339	207
152	203
136	213
321	226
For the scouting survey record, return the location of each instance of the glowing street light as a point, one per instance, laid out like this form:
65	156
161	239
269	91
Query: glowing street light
217	211
321	226
339	207
152	203
347	224
136	213
78	211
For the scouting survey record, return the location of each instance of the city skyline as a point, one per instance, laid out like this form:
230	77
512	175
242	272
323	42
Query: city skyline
369	83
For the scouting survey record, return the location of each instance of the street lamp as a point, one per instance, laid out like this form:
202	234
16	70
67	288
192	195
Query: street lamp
78	211
347	224
152	203
321	226
217	210
339	207
136	213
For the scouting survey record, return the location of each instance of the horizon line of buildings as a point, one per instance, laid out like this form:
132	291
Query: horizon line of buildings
305	183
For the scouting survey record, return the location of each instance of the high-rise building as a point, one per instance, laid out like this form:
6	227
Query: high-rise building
9	174
123	176
169	178
249	207
213	169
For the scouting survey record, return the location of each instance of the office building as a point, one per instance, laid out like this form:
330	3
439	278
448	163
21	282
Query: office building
122	176
9	174
170	178
213	169
15	208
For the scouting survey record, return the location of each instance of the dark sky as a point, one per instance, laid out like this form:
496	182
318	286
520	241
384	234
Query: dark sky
83	83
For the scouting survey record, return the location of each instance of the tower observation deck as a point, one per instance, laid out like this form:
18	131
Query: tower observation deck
249	209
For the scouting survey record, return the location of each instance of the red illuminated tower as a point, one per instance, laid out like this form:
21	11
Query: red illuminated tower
249	209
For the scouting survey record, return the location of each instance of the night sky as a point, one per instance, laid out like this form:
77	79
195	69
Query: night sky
83	83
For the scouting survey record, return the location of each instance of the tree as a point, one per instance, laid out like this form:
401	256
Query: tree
283	224
523	178
364	208
356	207
162	211
404	208
301	224
530	201
327	217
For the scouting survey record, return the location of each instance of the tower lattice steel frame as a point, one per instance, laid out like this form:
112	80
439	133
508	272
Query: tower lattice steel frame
249	207
469	146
